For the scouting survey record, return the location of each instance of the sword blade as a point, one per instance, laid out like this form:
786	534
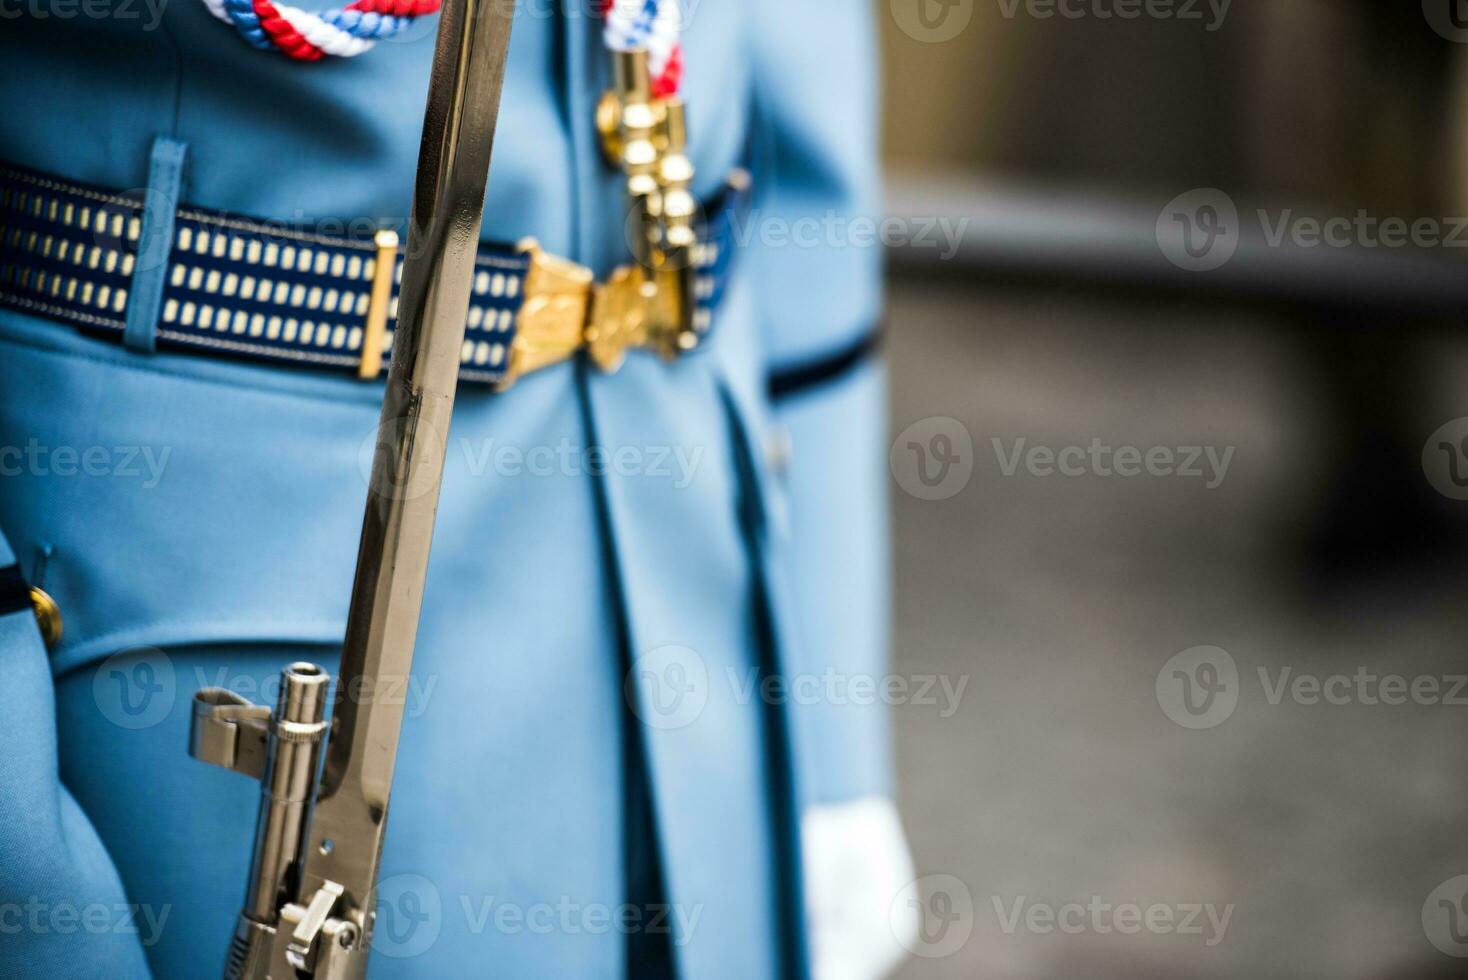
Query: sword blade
350	816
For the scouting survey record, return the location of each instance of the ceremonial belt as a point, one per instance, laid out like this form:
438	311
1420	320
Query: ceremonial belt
251	289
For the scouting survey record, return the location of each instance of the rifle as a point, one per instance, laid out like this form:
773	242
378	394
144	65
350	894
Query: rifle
308	912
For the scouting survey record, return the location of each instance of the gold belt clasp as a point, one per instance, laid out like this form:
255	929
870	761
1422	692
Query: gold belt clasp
636	309
551	326
564	311
652	302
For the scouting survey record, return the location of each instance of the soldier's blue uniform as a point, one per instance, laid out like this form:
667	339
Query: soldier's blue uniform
216	541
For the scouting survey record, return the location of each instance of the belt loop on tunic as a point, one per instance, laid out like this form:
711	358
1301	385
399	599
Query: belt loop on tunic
145	296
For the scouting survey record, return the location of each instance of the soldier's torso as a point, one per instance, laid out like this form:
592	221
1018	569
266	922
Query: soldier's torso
555	569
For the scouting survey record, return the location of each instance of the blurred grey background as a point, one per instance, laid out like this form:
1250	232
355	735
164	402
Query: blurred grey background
1329	830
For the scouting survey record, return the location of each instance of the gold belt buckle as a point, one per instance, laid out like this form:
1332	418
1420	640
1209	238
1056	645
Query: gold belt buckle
647	304
564	311
551	325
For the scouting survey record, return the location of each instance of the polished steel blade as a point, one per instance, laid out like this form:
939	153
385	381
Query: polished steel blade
458	133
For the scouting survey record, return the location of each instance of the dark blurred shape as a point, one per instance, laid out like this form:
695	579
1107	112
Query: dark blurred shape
1060	317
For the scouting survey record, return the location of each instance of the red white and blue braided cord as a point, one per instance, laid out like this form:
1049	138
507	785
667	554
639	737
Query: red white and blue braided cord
344	32
653	24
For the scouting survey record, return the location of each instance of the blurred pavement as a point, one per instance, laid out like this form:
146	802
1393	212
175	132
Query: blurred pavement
1060	777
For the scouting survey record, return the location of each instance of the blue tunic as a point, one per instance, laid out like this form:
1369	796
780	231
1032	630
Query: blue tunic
589	626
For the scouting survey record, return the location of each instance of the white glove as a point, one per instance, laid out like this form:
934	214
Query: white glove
856	864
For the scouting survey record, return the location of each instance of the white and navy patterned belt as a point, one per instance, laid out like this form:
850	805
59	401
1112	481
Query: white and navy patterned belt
250	289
